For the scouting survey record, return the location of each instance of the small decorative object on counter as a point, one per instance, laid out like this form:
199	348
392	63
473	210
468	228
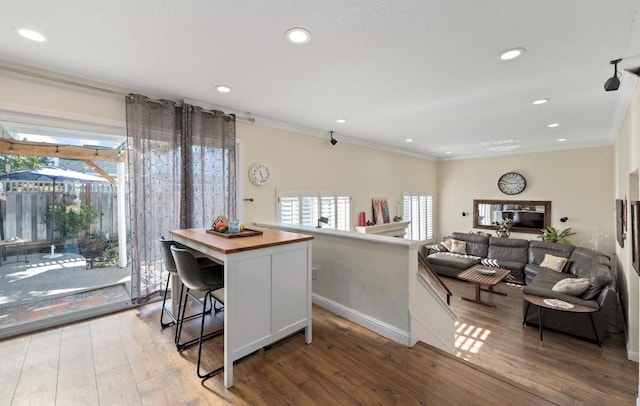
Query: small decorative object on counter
220	224
234	227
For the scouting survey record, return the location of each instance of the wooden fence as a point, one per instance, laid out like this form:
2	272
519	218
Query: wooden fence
27	202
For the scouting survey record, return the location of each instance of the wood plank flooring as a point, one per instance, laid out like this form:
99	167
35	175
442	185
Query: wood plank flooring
127	359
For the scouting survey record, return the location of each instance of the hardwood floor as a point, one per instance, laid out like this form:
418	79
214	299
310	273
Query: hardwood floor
565	369
126	359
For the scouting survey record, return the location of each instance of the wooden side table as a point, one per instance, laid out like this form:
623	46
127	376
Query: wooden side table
539	301
473	275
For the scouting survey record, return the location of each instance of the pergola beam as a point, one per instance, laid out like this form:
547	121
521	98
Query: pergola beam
100	171
29	148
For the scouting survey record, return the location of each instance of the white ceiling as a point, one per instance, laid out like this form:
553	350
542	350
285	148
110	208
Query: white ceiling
421	69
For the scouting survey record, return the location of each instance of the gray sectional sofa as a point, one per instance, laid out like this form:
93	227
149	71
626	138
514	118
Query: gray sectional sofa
523	259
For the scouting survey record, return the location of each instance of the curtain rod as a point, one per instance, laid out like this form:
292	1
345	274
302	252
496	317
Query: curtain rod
252	120
90	87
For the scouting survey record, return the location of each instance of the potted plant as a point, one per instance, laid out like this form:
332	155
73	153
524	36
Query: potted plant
550	234
69	220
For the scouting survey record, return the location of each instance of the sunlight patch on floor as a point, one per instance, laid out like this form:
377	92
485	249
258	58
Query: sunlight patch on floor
42	294
34	271
42	267
469	339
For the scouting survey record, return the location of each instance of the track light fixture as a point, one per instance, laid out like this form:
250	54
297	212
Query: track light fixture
613	83
333	140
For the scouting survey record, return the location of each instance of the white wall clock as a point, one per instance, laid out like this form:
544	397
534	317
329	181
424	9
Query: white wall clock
511	183
259	174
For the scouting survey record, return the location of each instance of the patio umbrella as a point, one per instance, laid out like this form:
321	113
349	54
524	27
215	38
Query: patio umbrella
54	174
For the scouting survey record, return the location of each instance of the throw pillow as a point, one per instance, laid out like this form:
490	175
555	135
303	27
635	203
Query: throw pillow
458	247
438	247
447	244
553	262
572	286
490	262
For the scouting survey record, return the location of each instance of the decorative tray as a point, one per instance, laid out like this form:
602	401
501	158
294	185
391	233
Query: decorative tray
247	232
487	271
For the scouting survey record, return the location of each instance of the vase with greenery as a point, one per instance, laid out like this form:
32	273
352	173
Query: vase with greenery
504	228
550	234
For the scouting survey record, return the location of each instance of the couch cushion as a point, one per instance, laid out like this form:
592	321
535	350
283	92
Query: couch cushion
477	245
530	272
553	262
512	249
537	249
583	260
452	260
572	286
598	279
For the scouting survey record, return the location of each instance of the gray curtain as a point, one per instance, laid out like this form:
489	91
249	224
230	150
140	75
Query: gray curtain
181	175
209	166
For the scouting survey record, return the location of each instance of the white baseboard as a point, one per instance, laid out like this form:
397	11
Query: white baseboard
633	356
366	321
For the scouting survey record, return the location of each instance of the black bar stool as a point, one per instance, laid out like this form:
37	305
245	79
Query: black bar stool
170	266
201	280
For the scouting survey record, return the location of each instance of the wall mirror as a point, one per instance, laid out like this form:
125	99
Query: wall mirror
528	216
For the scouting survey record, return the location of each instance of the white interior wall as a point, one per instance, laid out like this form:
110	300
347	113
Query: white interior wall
577	182
627	167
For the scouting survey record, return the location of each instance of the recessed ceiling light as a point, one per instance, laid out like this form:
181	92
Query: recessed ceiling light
540	101
409	140
553	125
223	89
448	152
298	35
512	53
341	121
32	35
562	139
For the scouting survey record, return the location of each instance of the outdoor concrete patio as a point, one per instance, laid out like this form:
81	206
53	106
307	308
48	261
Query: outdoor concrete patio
42	278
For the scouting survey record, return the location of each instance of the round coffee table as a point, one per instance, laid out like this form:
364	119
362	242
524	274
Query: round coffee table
539	301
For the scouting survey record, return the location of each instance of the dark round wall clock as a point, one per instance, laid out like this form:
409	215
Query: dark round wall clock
511	183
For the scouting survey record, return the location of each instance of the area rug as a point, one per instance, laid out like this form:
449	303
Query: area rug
61	305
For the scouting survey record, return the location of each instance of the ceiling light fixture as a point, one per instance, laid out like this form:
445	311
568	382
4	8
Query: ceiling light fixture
409	140
341	121
31	34
512	53
448	152
553	125
223	89
298	35
333	140
613	83
540	101
562	139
